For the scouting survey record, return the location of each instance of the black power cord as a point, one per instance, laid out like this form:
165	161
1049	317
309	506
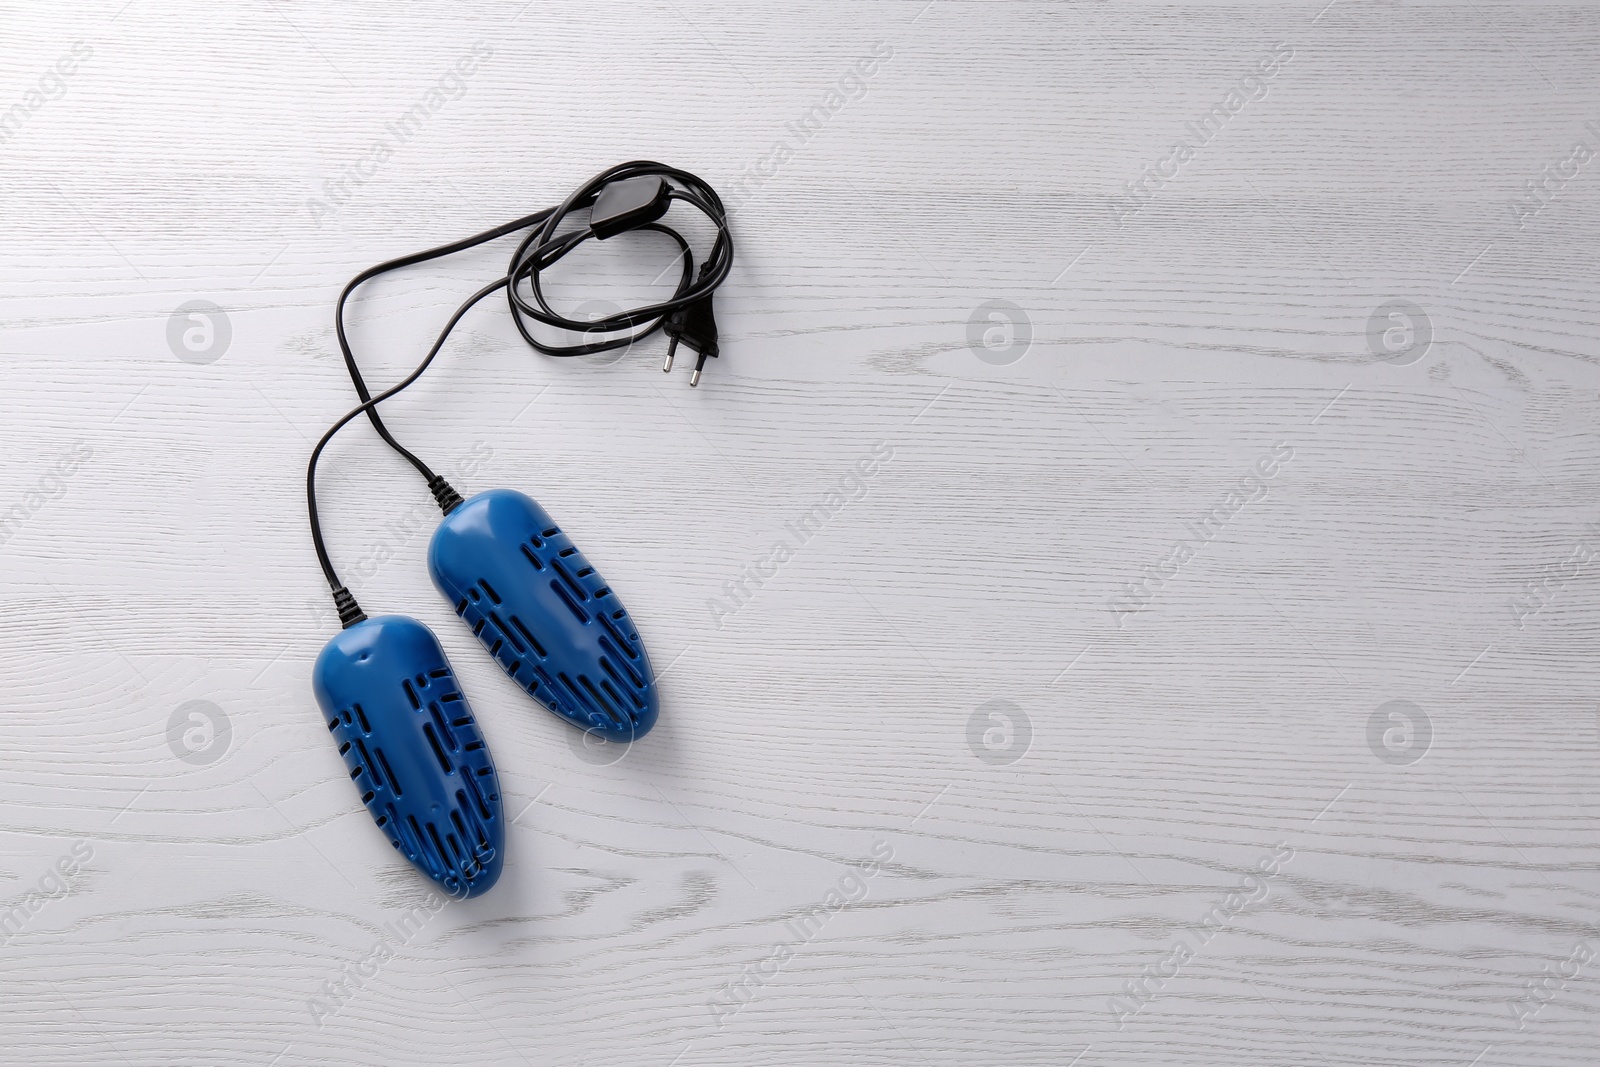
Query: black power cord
630	196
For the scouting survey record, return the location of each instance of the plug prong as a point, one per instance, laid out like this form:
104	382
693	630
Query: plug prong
694	379
672	347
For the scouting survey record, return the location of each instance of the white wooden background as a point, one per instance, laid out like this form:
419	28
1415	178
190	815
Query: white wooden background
1424	902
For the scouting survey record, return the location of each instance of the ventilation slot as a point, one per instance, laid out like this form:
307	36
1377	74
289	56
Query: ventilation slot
411	695
584	704
388	771
471	866
533	642
566	597
361	716
516	643
423	854
618	701
444	731
572	583
472	828
545	701
471	789
599	701
438	750
487	588
366	760
533	559
559	700
610	668
627	645
444	857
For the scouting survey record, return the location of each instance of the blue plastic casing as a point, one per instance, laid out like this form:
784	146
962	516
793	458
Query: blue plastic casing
414	752
544	614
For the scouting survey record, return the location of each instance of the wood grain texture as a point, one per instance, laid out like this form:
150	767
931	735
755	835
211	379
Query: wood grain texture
197	154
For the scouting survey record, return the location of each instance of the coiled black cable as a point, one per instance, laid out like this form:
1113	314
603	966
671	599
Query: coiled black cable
686	316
